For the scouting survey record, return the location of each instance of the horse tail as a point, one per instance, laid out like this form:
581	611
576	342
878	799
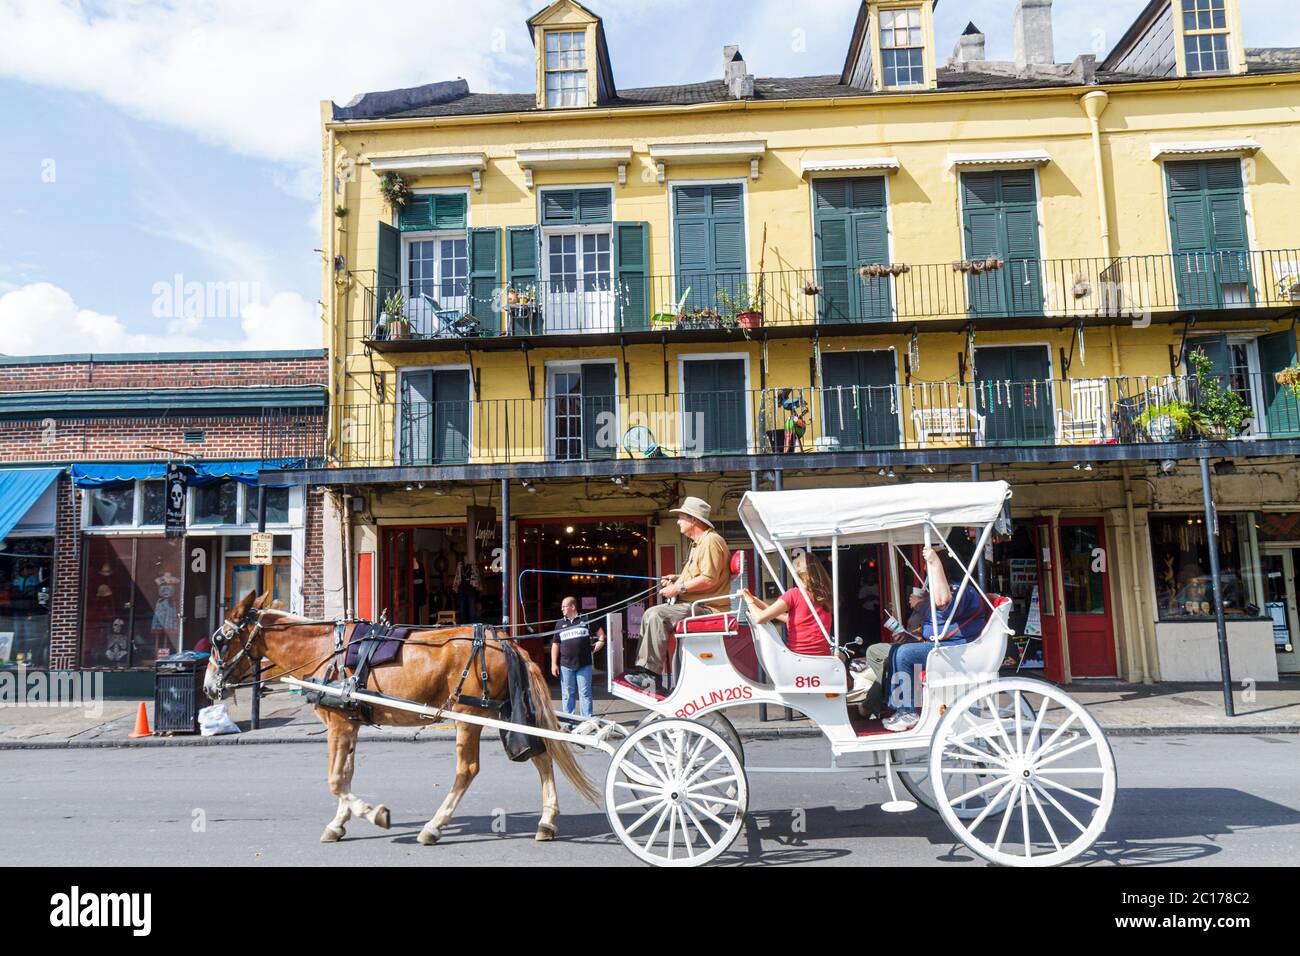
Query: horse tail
559	751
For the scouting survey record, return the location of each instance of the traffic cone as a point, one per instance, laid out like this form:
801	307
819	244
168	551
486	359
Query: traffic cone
141	723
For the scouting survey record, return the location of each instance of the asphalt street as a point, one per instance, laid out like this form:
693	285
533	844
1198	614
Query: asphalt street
1212	800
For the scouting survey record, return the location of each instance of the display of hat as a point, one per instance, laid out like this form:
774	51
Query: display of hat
696	508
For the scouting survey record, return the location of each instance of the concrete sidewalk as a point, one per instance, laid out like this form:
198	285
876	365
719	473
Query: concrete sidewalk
1122	709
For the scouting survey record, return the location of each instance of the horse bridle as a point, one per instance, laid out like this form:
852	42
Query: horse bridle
221	639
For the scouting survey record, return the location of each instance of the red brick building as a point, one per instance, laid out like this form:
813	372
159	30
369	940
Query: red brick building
88	579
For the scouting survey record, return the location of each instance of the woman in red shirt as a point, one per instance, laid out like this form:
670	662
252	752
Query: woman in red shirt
802	633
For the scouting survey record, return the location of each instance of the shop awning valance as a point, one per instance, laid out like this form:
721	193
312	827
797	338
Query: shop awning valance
99	475
20	488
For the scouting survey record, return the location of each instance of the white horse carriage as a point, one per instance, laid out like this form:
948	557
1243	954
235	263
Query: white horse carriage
1019	772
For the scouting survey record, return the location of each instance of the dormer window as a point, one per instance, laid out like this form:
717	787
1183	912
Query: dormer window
902	47
566	68
1205	36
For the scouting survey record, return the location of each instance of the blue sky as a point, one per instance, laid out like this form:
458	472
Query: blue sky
151	149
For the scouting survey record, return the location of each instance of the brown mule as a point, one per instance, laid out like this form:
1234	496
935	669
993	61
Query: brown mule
430	667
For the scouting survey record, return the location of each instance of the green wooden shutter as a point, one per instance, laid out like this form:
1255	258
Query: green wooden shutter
1193	258
859	405
835	273
708	241
871	244
416	415
632	274
485	276
416	215
715	403
388	268
1211	251
728	240
1281	412
595	206
451	416
851	230
599	438
1000	219
1014	395
449	211
559	207
521	270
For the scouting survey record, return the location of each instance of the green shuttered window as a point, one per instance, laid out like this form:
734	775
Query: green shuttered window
714	407
709	241
859	401
851	226
1207	227
1000	220
571	207
434	413
437	211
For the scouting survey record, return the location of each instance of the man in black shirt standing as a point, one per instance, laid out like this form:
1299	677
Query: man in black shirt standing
571	656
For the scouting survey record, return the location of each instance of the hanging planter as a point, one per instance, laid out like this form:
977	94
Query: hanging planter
811	289
394	189
1290	377
1082	288
1288	286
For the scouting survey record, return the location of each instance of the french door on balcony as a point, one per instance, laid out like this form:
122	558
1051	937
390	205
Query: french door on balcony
851	231
860	399
436	282
1000	224
1207	228
1247	366
715	415
1013	394
578	280
584	411
434	417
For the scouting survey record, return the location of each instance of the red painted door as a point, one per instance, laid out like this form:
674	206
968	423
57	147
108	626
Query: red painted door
1085	597
1048	607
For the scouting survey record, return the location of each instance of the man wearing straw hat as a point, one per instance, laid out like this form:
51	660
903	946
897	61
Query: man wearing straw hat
705	575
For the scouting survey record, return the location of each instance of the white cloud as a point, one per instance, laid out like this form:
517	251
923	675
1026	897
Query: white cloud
42	319
249	75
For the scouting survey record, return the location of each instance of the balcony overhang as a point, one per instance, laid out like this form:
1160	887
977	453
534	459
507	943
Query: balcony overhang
1015	159
711	153
1223	148
431	164
578	157
869	164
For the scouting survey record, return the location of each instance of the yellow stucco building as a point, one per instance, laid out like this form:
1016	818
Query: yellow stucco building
570	306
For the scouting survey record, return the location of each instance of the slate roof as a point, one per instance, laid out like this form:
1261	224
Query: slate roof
770	88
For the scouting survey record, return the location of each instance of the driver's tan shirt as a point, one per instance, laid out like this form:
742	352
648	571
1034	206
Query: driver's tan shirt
711	558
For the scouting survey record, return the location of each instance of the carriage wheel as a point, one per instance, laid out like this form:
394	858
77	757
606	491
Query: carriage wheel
916	780
676	793
1044	785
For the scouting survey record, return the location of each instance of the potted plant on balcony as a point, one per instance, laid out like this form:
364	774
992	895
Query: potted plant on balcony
1290	377
394	189
1168	421
744	306
396	323
1220	413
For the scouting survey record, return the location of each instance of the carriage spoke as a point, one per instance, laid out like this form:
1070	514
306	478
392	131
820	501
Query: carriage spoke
1058	770
1086	742
686	807
992	805
659	825
1002	732
1064	789
715	782
703	770
686	833
1047	747
1020	731
1056	803
980	731
639	803
1006	817
1043	816
672	828
981	789
1038	721
646	816
654	762
643	787
976	754
1024	822
708	813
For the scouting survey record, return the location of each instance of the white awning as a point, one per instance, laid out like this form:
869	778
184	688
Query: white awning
869	515
1010	160
428	164
884	164
1229	147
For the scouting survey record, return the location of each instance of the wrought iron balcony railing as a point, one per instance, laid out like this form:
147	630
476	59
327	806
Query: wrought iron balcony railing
1128	287
801	420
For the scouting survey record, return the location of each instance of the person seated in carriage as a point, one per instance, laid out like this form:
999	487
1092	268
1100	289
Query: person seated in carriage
802	633
705	578
901	662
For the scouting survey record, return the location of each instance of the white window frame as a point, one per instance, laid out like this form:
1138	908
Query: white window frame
885	49
560	367
405	370
245	513
1225	31
583	71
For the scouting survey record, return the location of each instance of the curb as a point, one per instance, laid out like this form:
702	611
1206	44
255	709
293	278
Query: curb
746	733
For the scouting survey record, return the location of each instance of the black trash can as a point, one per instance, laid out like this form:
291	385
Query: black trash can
178	693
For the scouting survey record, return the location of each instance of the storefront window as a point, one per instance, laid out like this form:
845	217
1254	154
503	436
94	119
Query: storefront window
26	574
113	505
1082	587
131	599
1181	558
216	502
154	499
1013	573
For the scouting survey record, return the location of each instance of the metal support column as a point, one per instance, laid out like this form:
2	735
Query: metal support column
255	708
779	485
1212	538
505	554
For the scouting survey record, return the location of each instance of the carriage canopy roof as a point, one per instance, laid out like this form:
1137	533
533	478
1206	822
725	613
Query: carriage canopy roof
877	515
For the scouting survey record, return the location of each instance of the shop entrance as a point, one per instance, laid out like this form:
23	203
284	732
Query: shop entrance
590	552
1085	597
427	577
1279	566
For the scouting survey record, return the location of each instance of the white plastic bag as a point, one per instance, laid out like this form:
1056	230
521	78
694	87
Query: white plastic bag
215	720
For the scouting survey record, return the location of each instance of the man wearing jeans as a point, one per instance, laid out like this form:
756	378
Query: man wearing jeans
571	656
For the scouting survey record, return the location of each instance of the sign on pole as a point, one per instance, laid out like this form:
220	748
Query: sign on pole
260	546
177	485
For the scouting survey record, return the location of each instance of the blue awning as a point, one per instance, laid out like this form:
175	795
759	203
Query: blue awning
19	490
96	475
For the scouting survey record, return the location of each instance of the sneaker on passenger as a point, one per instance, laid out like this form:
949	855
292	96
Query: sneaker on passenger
901	720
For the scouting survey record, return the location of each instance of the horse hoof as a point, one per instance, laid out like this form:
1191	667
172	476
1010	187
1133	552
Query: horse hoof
332	835
429	837
545	834
382	819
